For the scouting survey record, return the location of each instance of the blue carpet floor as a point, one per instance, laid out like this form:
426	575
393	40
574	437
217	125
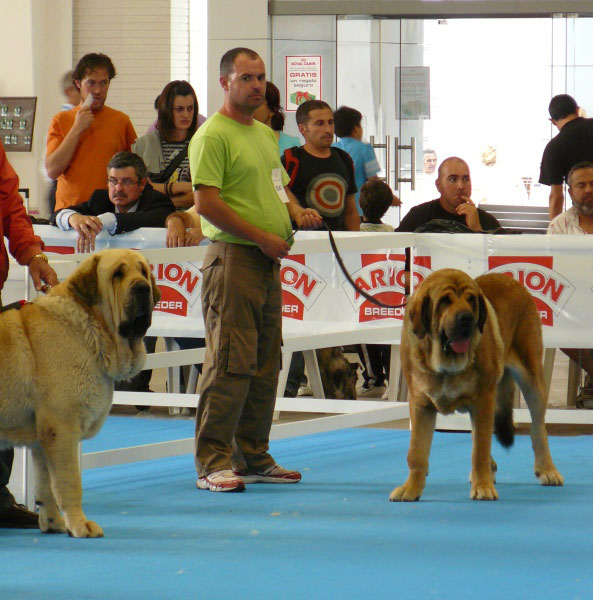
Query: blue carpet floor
334	535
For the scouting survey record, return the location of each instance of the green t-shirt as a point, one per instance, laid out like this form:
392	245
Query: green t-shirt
240	160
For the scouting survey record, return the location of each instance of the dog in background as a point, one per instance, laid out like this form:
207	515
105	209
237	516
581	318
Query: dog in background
338	374
60	357
464	343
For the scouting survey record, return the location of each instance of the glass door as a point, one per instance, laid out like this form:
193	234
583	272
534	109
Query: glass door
474	88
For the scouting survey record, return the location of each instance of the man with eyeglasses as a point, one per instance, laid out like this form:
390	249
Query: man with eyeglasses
128	203
81	140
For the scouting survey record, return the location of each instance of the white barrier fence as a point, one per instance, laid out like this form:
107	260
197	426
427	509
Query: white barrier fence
321	309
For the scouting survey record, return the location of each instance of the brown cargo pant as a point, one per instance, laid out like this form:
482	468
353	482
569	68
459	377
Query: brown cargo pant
242	307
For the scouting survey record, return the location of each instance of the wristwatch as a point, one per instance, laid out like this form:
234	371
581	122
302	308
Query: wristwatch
40	255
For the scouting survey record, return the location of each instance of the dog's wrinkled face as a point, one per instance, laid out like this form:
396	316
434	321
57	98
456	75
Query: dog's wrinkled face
338	374
119	282
448	312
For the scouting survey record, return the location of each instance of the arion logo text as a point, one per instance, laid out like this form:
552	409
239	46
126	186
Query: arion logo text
301	286
383	277
550	290
180	285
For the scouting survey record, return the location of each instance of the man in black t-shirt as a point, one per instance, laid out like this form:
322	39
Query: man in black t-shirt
572	145
454	204
321	176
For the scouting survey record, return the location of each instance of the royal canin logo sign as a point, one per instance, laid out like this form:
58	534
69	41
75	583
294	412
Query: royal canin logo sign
383	277
180	285
301	286
550	290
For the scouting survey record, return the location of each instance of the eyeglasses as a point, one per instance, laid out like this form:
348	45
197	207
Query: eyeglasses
112	181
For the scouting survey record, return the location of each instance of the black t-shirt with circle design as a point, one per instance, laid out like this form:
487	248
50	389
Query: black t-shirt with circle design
321	183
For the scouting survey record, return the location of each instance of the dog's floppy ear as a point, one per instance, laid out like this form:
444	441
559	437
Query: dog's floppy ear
482	312
84	284
420	316
156	292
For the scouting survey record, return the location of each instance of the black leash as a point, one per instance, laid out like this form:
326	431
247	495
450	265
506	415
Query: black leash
363	293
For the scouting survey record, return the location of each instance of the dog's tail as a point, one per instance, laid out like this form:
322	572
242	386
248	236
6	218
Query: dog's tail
504	428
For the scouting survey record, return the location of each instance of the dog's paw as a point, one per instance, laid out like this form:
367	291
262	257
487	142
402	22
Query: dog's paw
85	529
483	492
550	477
404	493
51	523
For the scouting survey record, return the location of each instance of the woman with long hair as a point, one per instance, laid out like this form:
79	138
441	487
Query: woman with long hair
168	171
270	114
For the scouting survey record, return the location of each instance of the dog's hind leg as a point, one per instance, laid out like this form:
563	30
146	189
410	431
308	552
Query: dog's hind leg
531	381
50	519
423	420
529	375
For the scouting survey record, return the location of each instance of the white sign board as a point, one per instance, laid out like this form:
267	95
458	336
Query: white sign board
303	80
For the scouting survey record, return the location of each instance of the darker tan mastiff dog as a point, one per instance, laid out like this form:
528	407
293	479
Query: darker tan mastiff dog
464	343
60	357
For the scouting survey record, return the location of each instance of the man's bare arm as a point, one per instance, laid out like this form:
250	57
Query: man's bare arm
556	200
59	160
210	205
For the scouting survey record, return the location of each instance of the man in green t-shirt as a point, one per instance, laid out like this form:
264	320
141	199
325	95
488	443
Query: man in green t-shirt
245	207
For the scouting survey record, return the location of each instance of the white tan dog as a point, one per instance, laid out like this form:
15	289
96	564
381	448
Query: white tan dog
60	357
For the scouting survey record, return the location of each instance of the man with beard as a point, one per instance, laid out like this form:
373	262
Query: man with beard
578	220
454	203
322	176
130	202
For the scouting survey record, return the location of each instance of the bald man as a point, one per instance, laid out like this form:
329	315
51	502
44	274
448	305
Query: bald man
454	203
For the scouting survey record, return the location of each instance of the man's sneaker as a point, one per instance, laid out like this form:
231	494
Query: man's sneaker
305	390
221	481
273	474
370	391
385	395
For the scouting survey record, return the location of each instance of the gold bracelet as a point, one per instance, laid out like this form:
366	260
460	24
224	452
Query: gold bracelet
40	255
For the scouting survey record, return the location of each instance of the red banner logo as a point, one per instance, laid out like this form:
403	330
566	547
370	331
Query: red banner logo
301	286
550	290
383	277
180	285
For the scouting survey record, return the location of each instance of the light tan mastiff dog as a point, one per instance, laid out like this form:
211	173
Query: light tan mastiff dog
464	341
60	357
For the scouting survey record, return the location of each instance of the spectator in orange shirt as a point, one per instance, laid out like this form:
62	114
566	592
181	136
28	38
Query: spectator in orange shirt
82	140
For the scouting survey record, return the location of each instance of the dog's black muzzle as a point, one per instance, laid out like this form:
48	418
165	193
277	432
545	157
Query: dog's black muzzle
138	312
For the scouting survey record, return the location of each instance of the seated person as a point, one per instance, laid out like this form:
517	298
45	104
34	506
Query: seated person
129	203
454	203
578	220
184	229
375	199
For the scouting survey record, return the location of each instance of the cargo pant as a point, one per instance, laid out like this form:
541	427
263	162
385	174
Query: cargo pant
242	308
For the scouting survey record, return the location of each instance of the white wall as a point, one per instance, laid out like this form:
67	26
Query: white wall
36	46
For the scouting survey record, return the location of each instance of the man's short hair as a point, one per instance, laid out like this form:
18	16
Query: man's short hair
428	151
92	62
122	160
302	112
585	164
375	198
227	62
562	106
345	120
